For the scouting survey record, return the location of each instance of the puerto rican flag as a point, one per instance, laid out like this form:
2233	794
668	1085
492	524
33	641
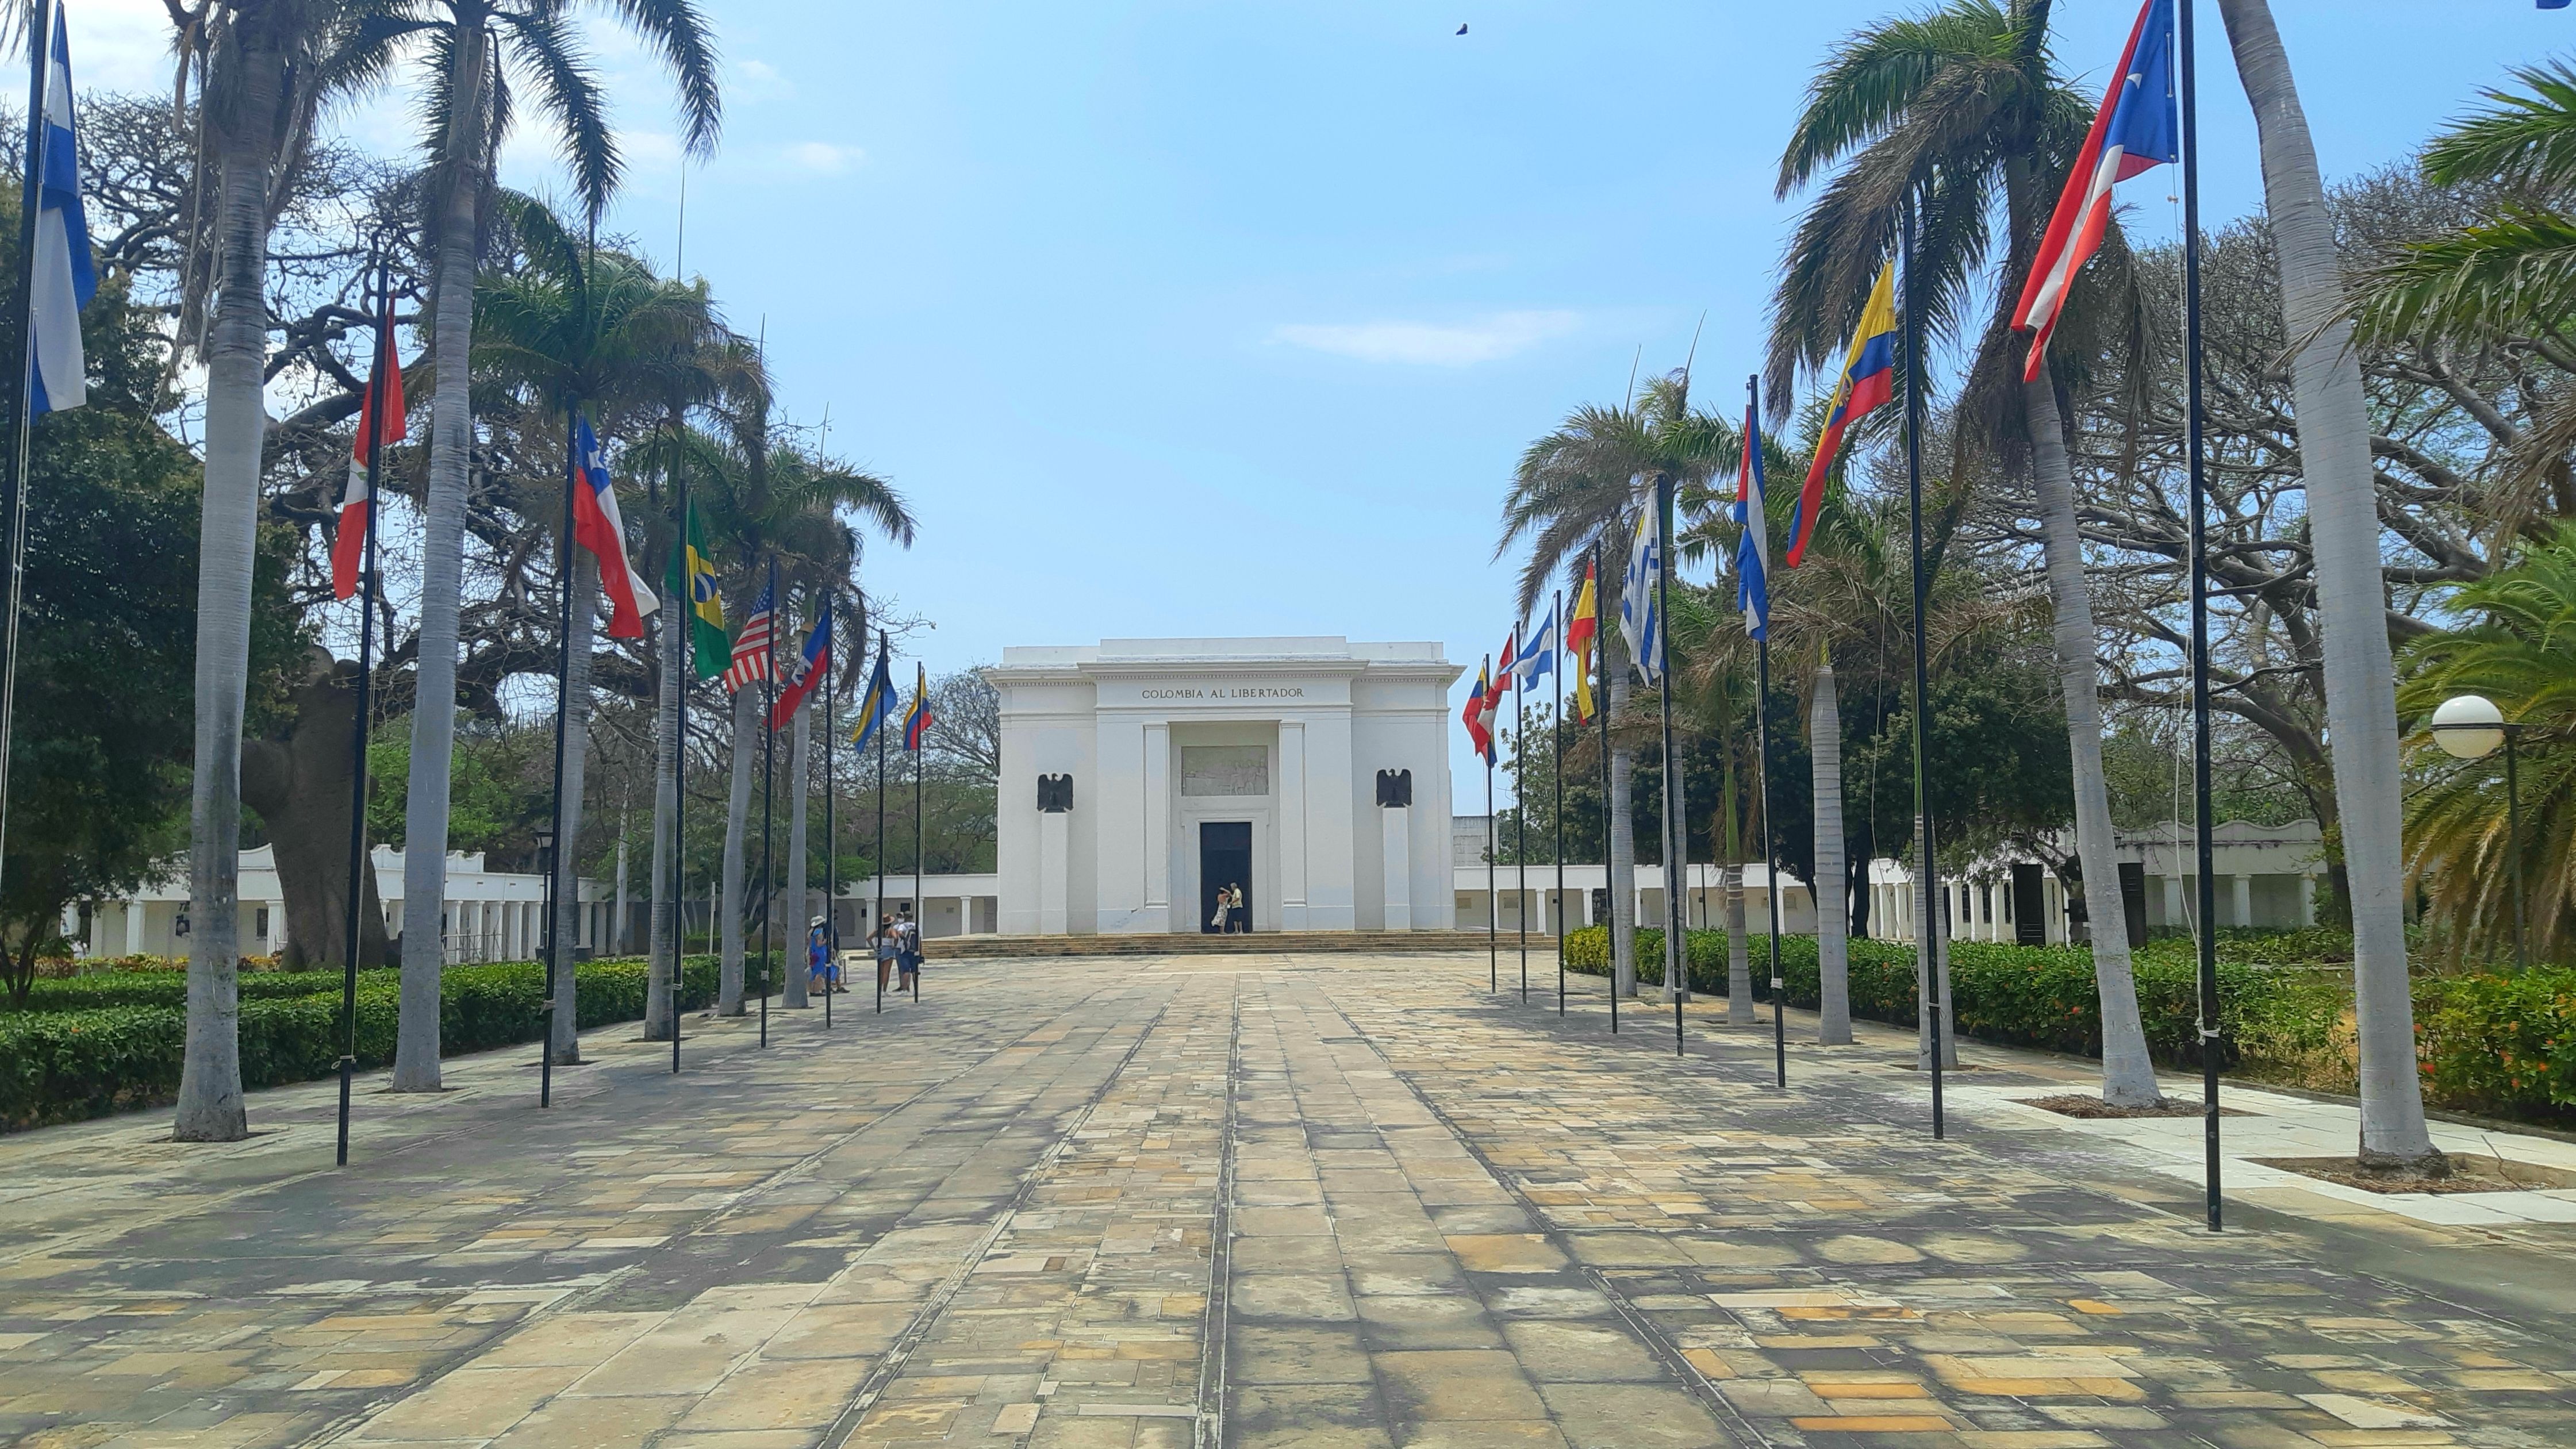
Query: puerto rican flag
380	420
2138	127
597	527
810	668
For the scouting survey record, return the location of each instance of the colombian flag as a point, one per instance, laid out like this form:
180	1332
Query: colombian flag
1581	632
916	720
1868	379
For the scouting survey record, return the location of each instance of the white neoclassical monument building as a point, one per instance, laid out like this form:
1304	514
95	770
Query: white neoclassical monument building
1142	777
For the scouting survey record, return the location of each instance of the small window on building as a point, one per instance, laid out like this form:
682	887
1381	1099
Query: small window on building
260	929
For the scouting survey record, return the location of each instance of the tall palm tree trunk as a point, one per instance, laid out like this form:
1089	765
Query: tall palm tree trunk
666	926
2343	519
746	722
1833	944
210	1090
566	1043
2128	1075
451	445
800	909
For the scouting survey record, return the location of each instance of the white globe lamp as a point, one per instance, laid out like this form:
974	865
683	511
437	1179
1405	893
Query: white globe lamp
2469	726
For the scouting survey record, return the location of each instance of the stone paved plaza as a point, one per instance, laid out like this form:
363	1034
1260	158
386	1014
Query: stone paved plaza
1318	1201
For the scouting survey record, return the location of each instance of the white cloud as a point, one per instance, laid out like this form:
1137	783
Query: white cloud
821	158
1488	339
758	80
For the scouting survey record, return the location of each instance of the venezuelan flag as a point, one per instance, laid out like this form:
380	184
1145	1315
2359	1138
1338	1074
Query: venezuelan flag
916	720
1868	379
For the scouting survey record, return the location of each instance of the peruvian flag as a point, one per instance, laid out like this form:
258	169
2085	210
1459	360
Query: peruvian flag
809	670
381	421
597	527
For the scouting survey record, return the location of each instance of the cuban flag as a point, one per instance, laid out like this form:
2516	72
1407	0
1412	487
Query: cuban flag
1640	620
1753	549
811	665
381	424
2138	127
64	278
1537	658
1508	661
597	527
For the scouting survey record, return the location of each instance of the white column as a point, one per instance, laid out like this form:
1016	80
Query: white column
1055	870
1395	828
1292	825
2244	899
1157	826
134	928
2308	898
2173	901
1332	871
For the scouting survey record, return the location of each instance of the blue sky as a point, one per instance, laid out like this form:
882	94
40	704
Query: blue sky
1227	318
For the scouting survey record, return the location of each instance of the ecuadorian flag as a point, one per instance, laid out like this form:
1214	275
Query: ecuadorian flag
1868	379
916	720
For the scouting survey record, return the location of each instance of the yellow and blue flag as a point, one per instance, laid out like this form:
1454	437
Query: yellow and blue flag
878	705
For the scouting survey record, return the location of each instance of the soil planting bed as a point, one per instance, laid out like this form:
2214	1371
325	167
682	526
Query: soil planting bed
2469	1173
2076	1104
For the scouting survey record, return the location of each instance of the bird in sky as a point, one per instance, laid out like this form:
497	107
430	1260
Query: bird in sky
1462	30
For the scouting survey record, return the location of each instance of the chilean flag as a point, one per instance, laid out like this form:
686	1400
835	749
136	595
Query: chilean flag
381	421
2138	127
808	675
597	527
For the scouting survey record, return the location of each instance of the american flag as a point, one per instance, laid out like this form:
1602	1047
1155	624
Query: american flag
751	646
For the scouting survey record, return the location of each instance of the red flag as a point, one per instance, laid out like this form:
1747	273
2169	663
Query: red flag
385	426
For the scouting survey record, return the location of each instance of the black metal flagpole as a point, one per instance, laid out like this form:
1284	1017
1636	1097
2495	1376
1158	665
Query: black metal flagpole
1520	811
1601	715
1493	838
1928	931
374	414
1762	777
920	848
13	548
547	933
831	816
768	792
683	618
1556	747
1676	950
879	925
2208	922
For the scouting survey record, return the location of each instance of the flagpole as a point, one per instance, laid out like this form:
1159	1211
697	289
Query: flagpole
1493	838
552	939
879	924
1556	743
831	813
1601	714
1520	815
1927	931
374	414
13	550
920	847
768	790
684	618
1762	742
2206	927
1676	959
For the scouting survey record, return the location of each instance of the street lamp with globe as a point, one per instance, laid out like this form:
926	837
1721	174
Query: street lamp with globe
2469	727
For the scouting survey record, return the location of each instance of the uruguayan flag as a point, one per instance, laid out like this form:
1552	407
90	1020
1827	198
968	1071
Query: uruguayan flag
64	278
1641	622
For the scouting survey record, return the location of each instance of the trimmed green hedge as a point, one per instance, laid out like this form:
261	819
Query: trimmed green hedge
170	988
65	1064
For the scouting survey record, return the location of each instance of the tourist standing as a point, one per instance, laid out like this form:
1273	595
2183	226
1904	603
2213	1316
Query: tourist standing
883	939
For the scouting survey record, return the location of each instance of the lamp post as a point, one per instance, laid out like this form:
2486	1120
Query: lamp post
2469	727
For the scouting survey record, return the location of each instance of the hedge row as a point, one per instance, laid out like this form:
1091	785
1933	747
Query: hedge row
155	987
2503	1046
63	1065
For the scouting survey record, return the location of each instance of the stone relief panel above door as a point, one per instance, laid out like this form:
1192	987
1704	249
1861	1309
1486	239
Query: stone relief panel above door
1225	770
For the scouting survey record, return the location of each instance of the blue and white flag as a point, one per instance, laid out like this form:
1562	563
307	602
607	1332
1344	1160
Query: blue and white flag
1640	621
1753	550
1538	655
64	278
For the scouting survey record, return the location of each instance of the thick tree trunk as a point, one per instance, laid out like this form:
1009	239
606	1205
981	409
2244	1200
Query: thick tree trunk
800	910
1739	954
666	927
746	745
566	1043
210	1091
2128	1075
300	785
617	923
451	449
2361	706
1833	946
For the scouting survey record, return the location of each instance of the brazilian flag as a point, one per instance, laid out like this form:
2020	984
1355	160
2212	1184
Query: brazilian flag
693	577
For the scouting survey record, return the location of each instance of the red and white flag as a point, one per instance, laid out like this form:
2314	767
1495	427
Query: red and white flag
385	426
597	526
751	646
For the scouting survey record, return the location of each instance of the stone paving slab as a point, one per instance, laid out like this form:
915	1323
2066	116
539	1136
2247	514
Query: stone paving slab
1258	1200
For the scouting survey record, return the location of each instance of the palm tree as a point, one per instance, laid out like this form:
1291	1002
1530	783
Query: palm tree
1959	111
1582	486
265	83
472	49
571	329
792	509
1833	925
2522	654
2343	525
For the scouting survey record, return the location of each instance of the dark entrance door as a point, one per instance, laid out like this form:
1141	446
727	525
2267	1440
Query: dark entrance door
1225	859
2030	906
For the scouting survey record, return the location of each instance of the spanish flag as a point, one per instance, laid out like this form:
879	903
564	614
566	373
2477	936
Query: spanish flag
1582	633
693	577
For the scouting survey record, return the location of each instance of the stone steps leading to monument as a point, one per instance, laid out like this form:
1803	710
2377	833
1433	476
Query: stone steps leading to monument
983	948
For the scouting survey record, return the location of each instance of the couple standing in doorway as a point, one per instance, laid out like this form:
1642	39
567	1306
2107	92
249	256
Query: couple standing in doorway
1232	915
